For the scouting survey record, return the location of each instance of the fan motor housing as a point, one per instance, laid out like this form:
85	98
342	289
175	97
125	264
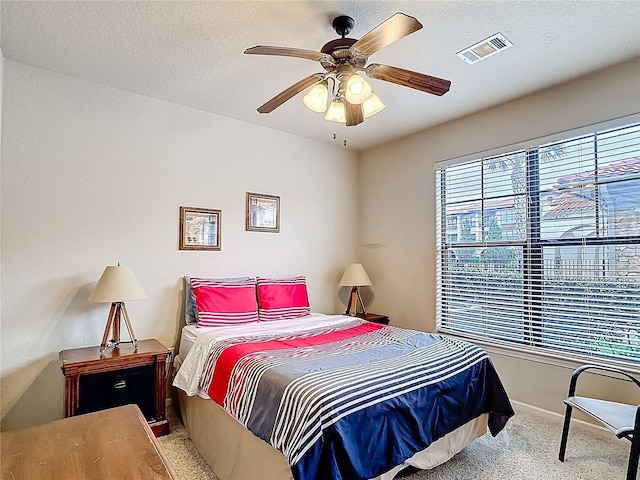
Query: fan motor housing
338	44
339	49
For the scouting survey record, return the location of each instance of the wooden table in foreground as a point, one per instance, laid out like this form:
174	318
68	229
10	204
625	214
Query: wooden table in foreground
110	444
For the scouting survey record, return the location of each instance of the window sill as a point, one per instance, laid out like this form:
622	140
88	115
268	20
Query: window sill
533	355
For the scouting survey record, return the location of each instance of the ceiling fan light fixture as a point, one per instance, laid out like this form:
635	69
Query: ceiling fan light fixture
336	112
316	99
343	59
372	105
358	89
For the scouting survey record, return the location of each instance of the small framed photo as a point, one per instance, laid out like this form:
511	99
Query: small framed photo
200	228
263	213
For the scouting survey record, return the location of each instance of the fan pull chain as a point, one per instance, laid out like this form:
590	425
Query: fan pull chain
344	133
344	140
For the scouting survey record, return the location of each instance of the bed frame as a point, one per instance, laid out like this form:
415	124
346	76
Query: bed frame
234	453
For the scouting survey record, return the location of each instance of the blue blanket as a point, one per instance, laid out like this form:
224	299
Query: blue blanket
355	400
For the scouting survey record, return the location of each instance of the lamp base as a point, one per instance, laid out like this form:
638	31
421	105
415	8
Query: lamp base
118	310
354	300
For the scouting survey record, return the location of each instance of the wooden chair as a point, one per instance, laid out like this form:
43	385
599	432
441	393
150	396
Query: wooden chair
622	419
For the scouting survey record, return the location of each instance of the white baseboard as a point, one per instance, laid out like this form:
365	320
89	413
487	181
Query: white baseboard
556	417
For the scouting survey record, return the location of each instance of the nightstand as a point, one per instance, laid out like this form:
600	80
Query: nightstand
118	377
374	317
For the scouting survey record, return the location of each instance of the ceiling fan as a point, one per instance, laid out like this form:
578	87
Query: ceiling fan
343	59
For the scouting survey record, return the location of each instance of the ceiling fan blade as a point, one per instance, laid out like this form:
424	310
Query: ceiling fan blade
290	52
389	31
353	114
290	92
407	78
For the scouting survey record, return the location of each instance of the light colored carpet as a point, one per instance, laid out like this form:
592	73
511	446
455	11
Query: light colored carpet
526	450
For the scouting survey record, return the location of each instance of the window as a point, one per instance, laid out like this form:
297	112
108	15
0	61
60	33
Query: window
507	216
547	251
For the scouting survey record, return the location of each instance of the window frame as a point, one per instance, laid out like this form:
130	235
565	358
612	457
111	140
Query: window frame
533	245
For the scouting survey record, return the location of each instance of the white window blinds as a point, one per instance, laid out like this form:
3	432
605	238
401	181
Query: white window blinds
540	248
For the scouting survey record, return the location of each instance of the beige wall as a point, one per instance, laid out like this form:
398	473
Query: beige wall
1	87
398	216
92	175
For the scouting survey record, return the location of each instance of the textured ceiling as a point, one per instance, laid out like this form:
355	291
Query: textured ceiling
190	53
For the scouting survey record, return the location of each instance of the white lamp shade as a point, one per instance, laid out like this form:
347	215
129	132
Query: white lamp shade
336	112
316	99
358	89
355	276
372	106
117	284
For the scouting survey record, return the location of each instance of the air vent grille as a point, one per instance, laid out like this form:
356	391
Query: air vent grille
498	43
484	49
472	57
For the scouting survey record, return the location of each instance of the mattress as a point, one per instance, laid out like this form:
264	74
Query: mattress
187	338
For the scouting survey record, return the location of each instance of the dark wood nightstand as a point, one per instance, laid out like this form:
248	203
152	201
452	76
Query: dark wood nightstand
118	377
374	317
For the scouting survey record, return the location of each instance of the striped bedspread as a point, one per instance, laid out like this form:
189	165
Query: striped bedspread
351	399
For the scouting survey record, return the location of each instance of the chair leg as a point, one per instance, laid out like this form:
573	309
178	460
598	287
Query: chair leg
565	433
632	470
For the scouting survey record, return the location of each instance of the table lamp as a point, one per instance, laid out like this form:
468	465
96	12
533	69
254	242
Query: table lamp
116	285
354	277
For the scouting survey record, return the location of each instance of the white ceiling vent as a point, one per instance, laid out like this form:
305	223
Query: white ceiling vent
484	49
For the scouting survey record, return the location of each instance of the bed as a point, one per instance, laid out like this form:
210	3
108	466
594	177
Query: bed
310	396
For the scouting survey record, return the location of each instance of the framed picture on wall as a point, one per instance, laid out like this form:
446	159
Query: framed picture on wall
200	228
263	213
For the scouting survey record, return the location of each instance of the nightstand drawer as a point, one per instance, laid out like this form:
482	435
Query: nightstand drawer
114	389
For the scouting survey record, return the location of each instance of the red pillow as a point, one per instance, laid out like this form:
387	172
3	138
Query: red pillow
282	298
223	302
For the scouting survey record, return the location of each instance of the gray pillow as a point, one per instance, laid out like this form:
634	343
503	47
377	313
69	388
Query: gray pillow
190	313
190	308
